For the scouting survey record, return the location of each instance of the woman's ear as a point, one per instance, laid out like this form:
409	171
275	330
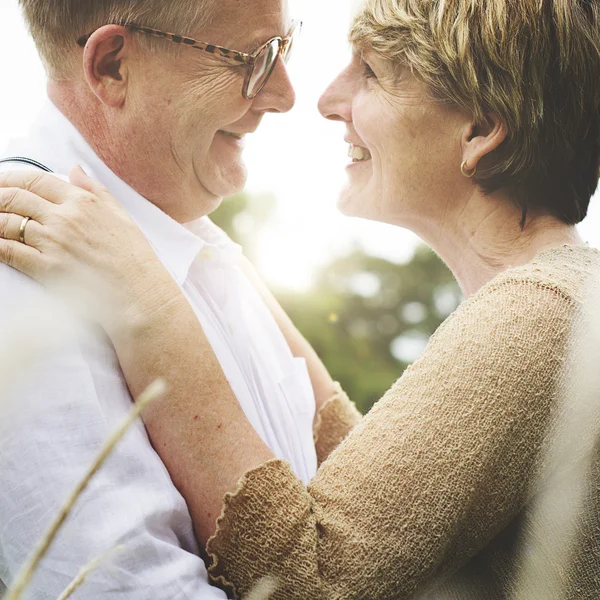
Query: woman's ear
481	139
105	64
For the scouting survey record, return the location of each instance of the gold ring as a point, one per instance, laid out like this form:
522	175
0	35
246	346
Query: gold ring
462	170
22	229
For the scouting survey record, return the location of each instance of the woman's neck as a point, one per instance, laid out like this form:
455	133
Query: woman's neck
483	237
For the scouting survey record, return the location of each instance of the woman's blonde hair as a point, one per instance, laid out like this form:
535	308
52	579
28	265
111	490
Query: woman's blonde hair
535	64
56	25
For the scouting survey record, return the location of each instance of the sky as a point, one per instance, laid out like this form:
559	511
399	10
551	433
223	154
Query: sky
298	157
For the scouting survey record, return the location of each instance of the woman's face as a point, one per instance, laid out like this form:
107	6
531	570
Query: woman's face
405	148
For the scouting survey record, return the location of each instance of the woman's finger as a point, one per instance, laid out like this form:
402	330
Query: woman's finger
10	229
82	180
23	258
44	185
10	226
21	202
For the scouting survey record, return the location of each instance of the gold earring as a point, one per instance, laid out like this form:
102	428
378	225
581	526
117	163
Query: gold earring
462	170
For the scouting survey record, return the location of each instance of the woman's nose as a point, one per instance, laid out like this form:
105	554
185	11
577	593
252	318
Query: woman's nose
336	102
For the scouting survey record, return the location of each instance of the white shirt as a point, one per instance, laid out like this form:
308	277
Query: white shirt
69	405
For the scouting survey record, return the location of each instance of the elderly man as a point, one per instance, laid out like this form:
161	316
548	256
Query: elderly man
160	120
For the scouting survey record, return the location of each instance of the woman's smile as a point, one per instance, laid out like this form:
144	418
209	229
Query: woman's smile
357	152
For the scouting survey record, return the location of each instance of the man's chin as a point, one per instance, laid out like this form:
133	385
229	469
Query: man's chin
230	187
231	190
214	203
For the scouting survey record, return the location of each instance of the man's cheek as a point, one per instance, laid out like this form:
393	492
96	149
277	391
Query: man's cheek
219	89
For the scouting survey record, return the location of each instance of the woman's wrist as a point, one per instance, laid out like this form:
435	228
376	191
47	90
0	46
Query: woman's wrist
145	305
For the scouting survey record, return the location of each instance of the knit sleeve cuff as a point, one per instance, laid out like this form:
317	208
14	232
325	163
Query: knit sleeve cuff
337	417
265	533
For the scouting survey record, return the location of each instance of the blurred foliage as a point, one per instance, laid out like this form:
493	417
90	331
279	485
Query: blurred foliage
366	317
242	217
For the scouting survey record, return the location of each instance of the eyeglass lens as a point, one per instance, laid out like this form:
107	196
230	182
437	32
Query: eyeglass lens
263	66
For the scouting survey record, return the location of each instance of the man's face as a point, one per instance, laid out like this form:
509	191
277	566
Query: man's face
194	114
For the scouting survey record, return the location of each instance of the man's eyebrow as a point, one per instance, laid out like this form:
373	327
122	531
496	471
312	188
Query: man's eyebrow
258	41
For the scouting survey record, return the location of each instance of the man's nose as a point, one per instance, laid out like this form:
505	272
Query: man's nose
278	95
336	102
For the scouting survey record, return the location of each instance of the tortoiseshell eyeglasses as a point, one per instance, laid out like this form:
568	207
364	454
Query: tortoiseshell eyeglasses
259	65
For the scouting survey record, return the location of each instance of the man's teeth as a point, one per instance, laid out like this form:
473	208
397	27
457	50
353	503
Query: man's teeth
358	154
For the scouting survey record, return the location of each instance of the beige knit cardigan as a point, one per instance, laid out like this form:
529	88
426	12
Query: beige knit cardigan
428	496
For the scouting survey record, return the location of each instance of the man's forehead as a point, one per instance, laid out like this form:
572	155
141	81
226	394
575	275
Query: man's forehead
251	22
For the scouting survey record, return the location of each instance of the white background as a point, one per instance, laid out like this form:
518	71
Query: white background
298	157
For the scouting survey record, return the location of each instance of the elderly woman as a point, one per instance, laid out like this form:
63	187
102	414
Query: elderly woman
477	126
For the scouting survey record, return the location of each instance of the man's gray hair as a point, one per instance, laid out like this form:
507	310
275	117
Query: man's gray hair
56	25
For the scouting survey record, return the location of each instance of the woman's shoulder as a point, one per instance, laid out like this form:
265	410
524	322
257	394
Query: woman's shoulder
557	280
524	306
566	270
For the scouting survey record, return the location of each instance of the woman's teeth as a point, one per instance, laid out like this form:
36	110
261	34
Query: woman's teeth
358	154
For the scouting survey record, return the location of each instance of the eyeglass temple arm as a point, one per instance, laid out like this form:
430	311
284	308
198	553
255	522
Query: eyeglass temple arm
218	51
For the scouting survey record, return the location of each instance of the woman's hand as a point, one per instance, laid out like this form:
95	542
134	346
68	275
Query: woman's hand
80	241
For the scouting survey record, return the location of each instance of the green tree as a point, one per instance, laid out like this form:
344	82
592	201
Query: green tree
369	318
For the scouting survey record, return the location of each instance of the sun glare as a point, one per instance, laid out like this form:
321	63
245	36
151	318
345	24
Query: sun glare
283	263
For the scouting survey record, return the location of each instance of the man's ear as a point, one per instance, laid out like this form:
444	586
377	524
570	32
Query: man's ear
480	140
105	64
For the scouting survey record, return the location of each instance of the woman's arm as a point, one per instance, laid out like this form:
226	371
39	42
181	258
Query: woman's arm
200	430
438	468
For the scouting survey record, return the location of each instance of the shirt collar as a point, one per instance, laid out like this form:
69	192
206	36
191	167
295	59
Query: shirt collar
54	141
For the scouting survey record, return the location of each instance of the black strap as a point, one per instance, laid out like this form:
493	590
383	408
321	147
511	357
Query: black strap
26	161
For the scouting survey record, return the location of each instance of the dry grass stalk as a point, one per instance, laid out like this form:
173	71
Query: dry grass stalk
86	570
154	391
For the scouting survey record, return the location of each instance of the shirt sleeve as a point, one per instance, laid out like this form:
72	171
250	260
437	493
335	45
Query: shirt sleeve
430	476
336	419
54	418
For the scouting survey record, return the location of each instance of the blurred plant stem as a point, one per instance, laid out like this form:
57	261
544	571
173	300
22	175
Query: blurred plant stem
86	570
